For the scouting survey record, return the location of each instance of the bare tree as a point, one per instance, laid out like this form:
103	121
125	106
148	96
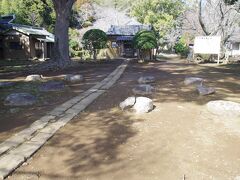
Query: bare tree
33	18
217	18
211	17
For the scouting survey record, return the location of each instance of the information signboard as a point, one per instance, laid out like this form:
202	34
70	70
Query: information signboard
207	45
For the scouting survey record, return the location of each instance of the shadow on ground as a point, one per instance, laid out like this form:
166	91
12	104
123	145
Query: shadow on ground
90	145
14	119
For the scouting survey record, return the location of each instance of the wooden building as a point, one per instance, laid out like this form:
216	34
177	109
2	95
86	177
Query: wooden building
24	42
233	44
121	38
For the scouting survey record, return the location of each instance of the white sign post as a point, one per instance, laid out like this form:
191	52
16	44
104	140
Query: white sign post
207	45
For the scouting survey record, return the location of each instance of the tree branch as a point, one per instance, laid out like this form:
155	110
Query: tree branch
201	19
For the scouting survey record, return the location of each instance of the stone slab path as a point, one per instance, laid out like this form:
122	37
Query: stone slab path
20	147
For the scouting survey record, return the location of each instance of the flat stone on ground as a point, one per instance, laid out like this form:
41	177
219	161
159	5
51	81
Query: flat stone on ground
143	105
34	77
203	90
224	108
73	78
193	80
9	163
143	89
146	79
20	99
52	86
6	84
129	102
237	178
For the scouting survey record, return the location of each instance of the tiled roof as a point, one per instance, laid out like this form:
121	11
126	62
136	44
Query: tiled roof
7	25
28	30
127	30
31	30
7	19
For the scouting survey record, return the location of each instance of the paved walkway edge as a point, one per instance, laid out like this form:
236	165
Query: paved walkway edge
20	147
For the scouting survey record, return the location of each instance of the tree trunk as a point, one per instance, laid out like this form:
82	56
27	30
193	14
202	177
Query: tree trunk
141	54
94	54
155	54
144	55
61	47
138	54
200	18
150	53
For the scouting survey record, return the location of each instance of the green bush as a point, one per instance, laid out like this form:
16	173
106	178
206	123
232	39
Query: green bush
93	40
74	48
74	44
145	40
85	54
181	48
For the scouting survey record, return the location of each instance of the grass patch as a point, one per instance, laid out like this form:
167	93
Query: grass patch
32	88
15	65
19	87
16	62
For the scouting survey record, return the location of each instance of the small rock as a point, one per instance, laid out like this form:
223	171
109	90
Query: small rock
129	102
143	89
6	84
203	90
73	78
20	99
34	77
146	79
143	105
52	86
193	80
224	108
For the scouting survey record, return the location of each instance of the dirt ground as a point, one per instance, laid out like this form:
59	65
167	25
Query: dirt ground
14	119
179	139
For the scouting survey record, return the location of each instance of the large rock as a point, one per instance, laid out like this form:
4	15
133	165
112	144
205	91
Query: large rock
20	99
73	78
237	178
146	79
143	89
34	77
203	90
6	84
129	102
52	86
193	80
143	105
224	108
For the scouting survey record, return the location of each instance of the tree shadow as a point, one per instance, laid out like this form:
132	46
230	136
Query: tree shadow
170	77
92	143
15	119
